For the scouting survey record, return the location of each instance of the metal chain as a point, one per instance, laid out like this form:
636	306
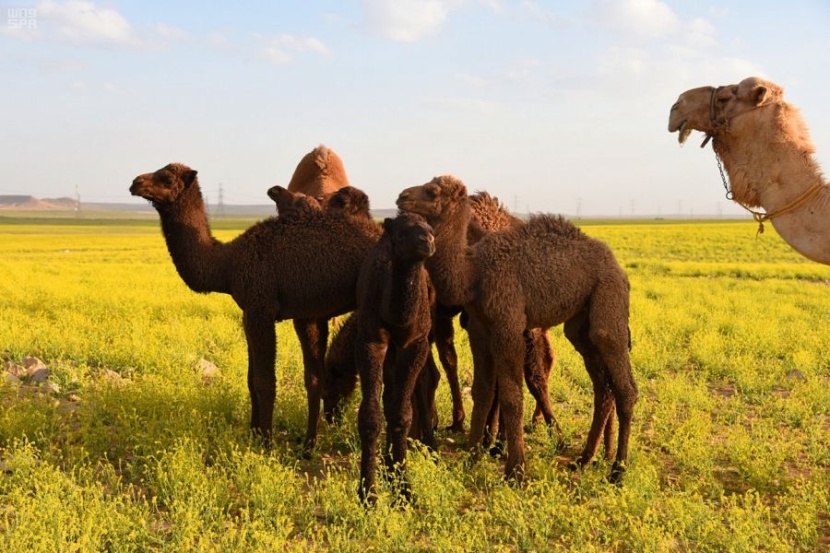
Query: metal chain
729	195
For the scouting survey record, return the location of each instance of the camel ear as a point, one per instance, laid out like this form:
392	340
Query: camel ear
275	192
189	177
760	95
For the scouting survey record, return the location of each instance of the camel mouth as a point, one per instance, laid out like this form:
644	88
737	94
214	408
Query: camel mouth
683	131
427	249
682	128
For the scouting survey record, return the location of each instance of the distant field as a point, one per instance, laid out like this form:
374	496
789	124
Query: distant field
131	445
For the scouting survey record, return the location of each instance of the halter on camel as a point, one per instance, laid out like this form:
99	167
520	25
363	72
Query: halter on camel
720	125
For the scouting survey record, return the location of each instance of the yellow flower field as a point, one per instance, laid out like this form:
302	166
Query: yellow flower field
128	444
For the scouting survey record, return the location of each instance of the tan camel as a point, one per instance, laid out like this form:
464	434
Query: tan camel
766	150
319	173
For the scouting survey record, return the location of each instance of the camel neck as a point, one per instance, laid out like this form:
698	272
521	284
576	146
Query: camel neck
451	266
786	182
196	254
405	293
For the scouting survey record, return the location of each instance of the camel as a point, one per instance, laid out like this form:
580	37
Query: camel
273	271
319	173
767	152
396	304
537	275
489	215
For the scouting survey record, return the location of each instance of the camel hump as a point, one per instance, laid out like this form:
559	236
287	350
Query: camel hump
319	173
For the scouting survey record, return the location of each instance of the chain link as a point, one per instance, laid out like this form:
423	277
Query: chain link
729	195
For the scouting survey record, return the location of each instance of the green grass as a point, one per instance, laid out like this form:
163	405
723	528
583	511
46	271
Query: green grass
129	448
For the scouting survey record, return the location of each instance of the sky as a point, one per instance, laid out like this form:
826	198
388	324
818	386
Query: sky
552	106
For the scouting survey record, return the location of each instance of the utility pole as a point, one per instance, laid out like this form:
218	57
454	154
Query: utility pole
221	205
77	202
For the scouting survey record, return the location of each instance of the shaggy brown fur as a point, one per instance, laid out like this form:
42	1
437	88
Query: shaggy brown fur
341	381
395	309
767	152
489	215
293	205
259	269
537	275
319	173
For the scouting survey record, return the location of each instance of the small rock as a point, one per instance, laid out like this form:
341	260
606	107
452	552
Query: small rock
110	374
795	374
12	379
52	387
39	375
207	369
14	369
32	364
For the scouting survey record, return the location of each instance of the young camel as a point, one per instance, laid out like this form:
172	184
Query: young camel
537	275
273	271
394	320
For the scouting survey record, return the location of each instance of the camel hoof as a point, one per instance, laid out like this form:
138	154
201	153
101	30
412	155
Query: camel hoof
616	475
368	497
456	427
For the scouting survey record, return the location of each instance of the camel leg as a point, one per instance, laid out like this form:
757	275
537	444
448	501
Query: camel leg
508	355
576	331
608	437
369	357
494	430
313	336
610	333
424	404
484	384
444	335
538	362
262	352
408	364
624	389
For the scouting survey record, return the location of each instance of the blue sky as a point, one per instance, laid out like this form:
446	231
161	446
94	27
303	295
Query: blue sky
551	106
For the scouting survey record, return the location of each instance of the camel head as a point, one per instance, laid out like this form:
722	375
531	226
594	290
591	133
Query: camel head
292	203
433	199
411	237
350	200
709	109
164	186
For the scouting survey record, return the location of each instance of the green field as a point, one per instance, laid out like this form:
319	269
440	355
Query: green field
129	445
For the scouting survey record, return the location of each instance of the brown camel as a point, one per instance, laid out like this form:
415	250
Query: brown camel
319	173
396	303
767	152
489	215
536	275
273	271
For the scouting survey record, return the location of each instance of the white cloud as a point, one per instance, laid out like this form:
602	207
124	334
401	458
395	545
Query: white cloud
407	20
280	49
168	32
82	21
646	18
